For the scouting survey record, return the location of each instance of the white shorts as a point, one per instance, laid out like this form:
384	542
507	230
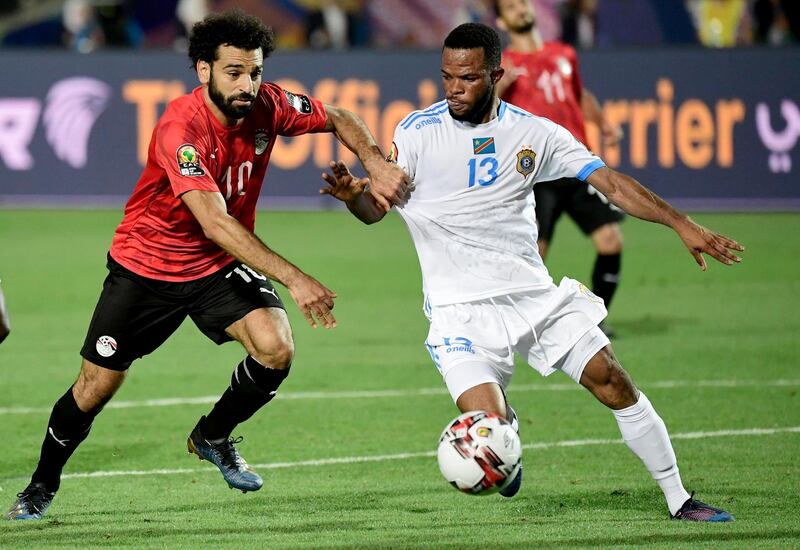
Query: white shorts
553	329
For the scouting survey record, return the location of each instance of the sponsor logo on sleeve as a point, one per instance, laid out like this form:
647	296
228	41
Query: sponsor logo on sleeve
299	102
526	162
189	161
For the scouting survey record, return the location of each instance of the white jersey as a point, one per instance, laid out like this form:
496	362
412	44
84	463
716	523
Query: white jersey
471	215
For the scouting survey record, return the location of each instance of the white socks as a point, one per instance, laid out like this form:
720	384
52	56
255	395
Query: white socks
646	435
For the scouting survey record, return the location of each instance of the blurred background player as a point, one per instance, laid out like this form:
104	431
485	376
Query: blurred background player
543	78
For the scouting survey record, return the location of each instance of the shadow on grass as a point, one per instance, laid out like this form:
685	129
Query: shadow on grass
382	518
648	325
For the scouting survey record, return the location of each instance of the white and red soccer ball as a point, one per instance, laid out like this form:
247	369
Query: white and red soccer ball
479	453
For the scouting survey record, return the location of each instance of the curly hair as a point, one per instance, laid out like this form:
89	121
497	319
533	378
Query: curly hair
231	28
477	35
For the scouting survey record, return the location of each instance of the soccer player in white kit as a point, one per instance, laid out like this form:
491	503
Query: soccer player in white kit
474	160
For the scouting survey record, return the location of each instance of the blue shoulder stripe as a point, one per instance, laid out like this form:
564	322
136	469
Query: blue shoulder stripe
411	120
519	111
502	111
587	170
435	106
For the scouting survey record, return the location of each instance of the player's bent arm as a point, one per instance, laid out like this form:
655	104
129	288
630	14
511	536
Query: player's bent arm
637	200
365	208
352	191
353	132
390	183
230	235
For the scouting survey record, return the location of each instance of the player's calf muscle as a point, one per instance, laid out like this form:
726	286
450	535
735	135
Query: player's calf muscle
608	381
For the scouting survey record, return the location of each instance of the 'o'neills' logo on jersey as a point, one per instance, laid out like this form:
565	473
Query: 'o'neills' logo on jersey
189	160
262	140
526	162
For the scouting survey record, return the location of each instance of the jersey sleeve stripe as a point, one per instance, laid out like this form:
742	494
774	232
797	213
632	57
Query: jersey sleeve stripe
436	105
589	169
411	120
519	111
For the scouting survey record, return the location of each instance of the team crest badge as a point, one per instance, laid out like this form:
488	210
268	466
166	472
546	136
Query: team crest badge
262	141
189	160
526	162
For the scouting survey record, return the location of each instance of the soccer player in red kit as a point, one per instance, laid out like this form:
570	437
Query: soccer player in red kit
186	247
543	78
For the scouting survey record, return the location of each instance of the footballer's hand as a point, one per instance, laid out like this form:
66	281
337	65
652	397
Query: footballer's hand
700	240
389	184
342	184
314	299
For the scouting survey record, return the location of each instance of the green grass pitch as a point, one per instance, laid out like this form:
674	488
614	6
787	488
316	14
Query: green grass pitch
347	449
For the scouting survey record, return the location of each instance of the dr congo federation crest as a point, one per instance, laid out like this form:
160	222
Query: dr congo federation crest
526	162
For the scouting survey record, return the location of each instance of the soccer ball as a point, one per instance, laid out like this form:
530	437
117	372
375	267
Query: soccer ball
479	453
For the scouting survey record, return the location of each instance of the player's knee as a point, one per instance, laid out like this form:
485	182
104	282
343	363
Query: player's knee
274	353
95	386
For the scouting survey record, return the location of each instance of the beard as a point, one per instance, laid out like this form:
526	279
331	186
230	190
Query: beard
524	27
225	104
479	110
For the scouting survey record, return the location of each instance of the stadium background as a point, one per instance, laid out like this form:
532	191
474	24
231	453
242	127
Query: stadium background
707	92
713	128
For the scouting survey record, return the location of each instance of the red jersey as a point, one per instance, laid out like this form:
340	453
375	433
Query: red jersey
159	237
549	86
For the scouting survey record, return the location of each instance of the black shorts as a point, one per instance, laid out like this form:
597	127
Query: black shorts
588	207
135	314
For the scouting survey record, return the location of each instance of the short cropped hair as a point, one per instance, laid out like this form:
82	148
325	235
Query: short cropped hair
477	35
231	28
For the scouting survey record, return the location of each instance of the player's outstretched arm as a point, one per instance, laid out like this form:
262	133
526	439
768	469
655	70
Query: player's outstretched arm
637	200
352	191
313	298
389	183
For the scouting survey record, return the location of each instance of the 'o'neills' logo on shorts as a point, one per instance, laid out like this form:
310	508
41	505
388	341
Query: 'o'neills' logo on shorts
106	346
